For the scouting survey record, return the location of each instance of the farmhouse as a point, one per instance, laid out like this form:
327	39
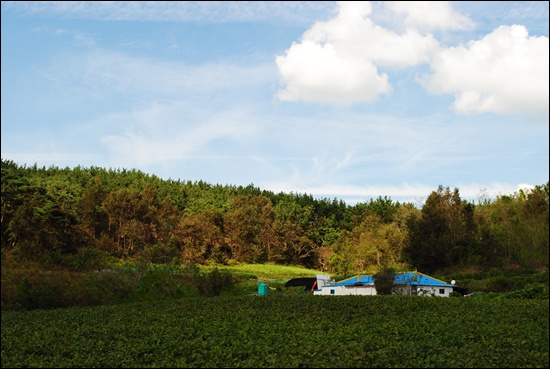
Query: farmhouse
408	283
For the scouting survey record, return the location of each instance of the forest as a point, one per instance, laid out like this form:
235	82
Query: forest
82	218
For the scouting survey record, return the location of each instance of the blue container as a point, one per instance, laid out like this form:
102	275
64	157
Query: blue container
262	289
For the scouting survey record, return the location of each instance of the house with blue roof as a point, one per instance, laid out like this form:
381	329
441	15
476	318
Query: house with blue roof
407	283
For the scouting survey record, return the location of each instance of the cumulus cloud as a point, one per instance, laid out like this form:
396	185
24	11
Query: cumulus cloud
315	72
337	61
504	72
430	15
355	36
348	59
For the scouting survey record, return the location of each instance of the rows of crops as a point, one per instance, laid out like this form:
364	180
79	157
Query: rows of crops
283	331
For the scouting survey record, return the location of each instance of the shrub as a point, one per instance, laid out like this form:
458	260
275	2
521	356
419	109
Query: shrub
37	297
34	289
213	283
160	285
109	286
534	291
500	283
191	270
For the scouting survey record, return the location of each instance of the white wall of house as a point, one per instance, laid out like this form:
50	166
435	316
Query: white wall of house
370	290
441	291
434	291
346	290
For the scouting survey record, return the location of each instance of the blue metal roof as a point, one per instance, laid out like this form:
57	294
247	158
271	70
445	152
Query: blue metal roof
414	278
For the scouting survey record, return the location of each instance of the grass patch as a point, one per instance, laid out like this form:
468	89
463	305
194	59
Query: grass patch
270	271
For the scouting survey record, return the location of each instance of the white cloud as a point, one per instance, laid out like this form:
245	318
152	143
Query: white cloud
504	72
415	193
471	191
430	15
314	72
337	61
357	37
526	188
359	192
343	60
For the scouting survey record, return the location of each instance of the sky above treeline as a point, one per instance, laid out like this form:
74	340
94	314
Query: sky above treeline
346	100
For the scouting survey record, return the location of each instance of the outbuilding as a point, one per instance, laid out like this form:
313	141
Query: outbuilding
407	283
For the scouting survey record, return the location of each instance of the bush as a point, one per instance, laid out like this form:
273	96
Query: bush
535	291
191	270
214	283
35	289
500	283
160	285
109	287
37	297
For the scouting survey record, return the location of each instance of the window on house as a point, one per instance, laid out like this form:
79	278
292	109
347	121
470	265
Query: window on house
441	291
332	292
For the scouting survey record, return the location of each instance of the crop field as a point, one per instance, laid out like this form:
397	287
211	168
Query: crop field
294	330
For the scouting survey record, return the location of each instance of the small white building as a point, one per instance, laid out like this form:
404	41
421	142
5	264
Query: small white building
408	283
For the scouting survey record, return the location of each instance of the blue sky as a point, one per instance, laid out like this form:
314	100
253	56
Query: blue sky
347	100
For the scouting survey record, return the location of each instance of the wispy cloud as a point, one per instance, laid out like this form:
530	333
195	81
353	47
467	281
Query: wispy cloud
511	12
415	193
170	111
169	132
291	12
78	38
106	72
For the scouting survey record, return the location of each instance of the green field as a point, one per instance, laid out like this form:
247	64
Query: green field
283	330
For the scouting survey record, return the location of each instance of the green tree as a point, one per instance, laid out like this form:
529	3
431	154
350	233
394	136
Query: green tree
93	219
249	228
132	215
291	222
443	234
513	229
201	237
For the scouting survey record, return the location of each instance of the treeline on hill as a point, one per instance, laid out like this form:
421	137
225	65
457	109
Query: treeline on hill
79	218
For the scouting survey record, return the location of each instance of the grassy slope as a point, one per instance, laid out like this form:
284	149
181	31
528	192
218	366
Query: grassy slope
275	276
